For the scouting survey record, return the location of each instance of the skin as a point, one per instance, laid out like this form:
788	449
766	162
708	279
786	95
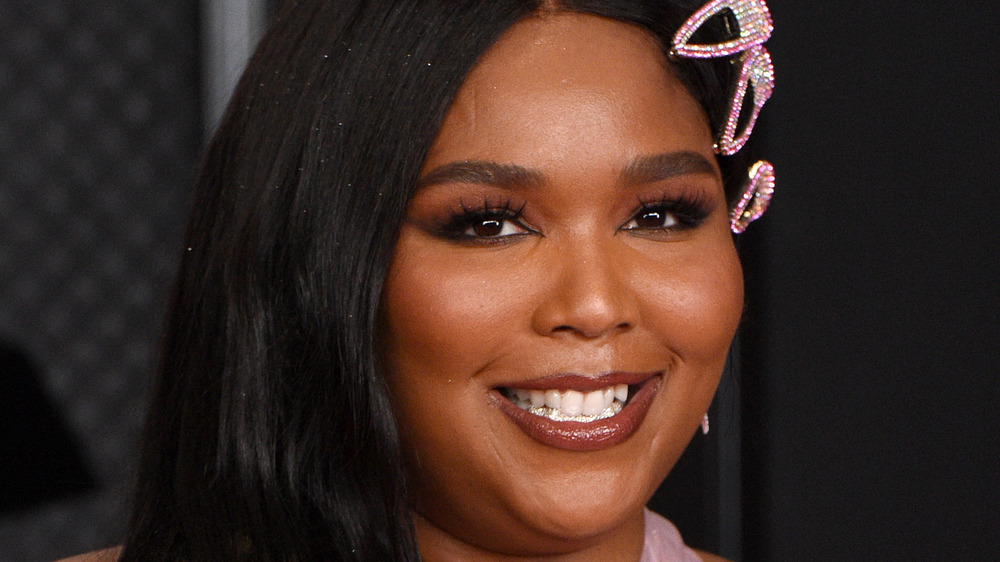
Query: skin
573	287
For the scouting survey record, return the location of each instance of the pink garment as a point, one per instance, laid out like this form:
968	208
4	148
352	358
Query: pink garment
663	542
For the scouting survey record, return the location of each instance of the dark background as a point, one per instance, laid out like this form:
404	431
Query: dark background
99	134
871	358
860	422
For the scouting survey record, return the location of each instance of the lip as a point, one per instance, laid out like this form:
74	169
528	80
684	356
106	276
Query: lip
584	436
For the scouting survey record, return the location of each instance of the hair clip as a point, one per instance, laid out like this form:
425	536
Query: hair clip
756	196
750	25
756	70
753	27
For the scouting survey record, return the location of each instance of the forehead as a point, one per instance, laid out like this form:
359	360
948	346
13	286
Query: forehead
577	44
570	80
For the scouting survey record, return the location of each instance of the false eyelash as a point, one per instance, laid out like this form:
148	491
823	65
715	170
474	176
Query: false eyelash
690	210
462	219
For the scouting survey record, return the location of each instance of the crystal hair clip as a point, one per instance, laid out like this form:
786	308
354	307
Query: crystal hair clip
753	26
756	70
752	20
750	24
756	197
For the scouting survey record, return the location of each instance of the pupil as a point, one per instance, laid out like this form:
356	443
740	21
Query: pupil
651	219
489	227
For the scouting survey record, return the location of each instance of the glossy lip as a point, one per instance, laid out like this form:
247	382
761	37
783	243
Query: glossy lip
584	436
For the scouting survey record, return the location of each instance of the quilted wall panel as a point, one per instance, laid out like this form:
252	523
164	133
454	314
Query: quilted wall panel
99	136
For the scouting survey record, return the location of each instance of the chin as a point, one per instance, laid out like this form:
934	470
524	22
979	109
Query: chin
585	512
553	499
576	496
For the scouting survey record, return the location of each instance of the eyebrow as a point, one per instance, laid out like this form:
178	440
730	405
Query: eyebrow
482	172
642	170
659	167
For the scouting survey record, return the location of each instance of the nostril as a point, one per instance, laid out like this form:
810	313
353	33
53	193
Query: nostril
591	331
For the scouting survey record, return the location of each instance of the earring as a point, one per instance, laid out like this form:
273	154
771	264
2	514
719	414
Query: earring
704	424
756	197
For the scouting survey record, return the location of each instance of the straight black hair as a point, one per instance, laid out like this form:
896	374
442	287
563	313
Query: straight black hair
270	434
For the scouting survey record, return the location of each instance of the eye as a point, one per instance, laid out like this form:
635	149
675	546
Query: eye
668	215
485	224
493	227
652	218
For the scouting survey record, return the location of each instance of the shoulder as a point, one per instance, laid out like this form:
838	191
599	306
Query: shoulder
663	542
106	555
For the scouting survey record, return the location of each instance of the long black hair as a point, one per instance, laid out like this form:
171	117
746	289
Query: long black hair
270	434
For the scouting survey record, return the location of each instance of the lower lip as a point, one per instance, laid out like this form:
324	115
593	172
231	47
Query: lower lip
584	436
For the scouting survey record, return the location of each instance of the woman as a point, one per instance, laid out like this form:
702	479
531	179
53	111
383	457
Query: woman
459	284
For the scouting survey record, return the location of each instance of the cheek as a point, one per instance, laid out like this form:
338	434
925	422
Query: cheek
444	321
441	321
698	304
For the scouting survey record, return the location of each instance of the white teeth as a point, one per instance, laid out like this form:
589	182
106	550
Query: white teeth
572	405
593	403
621	392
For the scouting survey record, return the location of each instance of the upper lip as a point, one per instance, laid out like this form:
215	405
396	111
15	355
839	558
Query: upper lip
575	381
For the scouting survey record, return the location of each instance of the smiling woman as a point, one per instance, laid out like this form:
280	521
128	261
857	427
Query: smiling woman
459	284
570	229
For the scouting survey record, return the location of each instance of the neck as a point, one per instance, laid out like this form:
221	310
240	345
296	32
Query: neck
621	543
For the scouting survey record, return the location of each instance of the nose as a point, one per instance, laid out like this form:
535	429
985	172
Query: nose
587	294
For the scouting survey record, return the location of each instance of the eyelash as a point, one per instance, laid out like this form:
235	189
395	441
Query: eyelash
687	211
458	225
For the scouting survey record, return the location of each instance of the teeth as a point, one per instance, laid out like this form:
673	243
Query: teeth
621	392
572	405
593	403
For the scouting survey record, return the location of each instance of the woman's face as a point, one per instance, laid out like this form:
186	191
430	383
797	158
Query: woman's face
568	240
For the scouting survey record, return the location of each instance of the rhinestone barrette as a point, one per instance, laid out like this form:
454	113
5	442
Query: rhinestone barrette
753	23
750	25
753	26
756	70
756	197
